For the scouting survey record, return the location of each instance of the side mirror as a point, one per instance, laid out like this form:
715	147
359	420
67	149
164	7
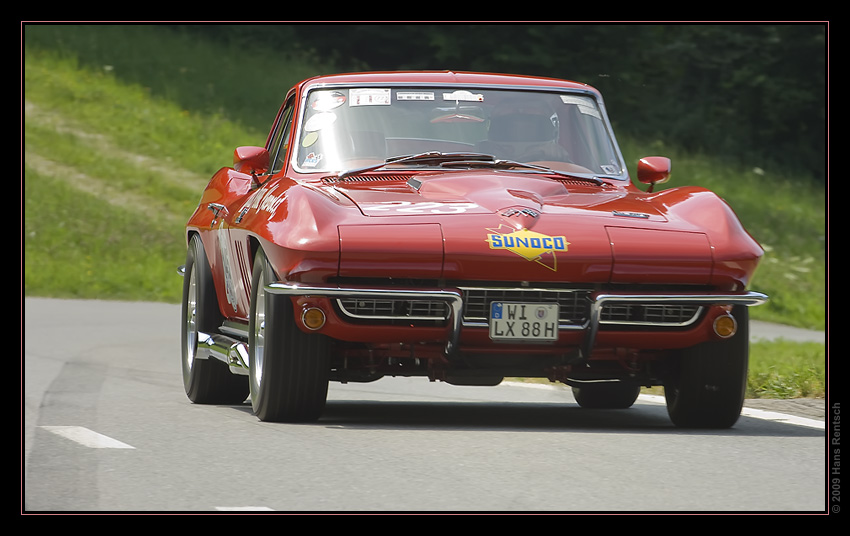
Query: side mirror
251	160
653	170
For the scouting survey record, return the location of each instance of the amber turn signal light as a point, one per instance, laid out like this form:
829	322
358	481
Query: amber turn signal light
313	318
725	326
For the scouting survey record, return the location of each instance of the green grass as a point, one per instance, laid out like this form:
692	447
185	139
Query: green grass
783	369
90	248
124	125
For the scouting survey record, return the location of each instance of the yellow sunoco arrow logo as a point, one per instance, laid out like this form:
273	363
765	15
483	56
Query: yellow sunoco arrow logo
530	245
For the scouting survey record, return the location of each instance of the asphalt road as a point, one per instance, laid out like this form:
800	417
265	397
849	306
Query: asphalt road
107	427
767	331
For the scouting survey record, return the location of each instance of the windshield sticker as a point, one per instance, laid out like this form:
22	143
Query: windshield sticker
585	105
530	245
309	139
312	160
328	100
319	121
463	95
369	97
415	95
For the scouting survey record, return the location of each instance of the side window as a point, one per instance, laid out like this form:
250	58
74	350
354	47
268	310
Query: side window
280	142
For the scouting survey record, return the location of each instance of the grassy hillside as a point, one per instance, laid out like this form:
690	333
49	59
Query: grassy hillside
123	126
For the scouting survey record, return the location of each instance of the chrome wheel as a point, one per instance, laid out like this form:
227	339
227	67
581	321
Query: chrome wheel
190	327
259	342
206	381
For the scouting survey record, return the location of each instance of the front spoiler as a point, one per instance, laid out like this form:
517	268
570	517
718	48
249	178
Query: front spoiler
454	299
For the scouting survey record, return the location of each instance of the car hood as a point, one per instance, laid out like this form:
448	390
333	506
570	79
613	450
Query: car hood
517	226
493	193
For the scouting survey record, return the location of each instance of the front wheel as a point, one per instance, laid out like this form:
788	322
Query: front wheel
288	368
708	381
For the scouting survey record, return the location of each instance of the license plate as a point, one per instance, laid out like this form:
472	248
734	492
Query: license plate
511	321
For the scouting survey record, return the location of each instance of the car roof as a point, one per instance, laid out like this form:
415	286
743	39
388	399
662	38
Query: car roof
445	77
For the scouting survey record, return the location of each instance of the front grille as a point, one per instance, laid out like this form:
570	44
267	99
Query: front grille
654	314
389	309
573	304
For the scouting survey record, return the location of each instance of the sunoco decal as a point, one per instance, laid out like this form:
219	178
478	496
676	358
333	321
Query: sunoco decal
530	245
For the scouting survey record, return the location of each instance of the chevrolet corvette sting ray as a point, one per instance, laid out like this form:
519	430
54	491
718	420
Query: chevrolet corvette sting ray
461	227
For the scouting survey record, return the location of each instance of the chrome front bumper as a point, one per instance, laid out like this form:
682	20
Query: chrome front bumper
454	299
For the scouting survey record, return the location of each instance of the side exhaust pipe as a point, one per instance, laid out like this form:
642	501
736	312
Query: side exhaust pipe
226	349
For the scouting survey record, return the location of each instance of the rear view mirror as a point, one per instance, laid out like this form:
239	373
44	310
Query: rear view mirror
653	170
253	160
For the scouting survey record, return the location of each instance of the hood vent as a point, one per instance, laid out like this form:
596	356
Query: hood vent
588	183
359	179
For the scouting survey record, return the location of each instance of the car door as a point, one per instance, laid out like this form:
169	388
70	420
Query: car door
233	237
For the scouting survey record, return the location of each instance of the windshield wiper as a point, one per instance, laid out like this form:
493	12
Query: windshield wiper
512	164
468	160
430	157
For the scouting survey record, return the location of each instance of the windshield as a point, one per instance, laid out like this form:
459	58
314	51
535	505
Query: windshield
346	128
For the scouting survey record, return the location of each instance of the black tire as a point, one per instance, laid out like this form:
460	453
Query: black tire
608	395
206	381
708	382
289	369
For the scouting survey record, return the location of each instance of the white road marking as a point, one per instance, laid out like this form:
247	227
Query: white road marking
757	414
243	509
94	440
781	417
87	437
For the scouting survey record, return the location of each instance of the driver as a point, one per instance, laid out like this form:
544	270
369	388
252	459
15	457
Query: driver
524	131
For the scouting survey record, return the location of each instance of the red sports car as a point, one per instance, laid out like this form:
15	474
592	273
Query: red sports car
461	227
